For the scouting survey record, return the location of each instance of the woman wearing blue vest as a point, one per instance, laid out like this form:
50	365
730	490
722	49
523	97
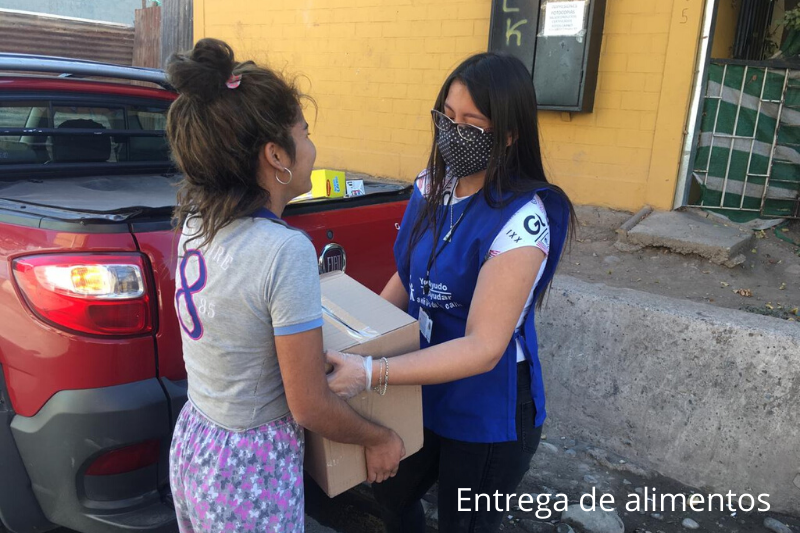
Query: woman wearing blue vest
477	248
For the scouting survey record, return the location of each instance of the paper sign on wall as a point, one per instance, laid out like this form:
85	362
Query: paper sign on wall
564	18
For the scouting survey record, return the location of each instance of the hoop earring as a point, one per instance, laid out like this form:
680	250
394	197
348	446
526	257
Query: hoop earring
287	182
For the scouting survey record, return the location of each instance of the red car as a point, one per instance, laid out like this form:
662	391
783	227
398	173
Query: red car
91	372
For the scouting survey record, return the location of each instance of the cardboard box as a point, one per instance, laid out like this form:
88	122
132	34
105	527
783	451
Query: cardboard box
325	184
356	320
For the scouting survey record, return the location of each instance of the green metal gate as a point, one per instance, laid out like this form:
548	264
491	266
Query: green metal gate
747	160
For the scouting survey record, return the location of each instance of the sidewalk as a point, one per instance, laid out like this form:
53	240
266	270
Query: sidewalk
564	466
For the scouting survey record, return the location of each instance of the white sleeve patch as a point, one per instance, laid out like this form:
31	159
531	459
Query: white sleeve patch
528	227
423	183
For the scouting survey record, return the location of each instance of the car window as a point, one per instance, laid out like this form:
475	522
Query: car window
108	118
16	114
149	118
75	146
21	149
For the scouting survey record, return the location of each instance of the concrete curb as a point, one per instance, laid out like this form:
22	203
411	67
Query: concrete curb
631	223
705	395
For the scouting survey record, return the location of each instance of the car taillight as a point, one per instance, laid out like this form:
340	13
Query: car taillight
125	459
100	294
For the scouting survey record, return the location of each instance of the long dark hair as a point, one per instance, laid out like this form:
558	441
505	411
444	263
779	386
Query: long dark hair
502	90
217	133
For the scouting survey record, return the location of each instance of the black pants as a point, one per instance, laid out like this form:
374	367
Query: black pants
483	468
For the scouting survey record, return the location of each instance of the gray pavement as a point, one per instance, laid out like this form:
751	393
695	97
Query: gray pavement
689	233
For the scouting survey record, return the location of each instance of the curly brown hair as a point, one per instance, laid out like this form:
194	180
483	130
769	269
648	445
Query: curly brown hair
217	133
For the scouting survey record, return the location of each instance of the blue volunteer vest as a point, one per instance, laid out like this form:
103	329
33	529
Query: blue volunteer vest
480	408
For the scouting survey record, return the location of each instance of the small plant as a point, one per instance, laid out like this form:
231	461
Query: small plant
791	19
791	24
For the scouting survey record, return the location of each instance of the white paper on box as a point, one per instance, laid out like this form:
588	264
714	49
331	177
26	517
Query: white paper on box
355	188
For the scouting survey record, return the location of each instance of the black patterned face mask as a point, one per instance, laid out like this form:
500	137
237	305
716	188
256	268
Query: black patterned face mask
464	157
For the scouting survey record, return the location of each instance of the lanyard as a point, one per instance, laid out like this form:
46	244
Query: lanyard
426	288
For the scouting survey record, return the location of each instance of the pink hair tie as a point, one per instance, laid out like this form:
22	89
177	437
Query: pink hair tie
234	81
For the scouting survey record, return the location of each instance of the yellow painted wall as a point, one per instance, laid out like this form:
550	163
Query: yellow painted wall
725	31
375	67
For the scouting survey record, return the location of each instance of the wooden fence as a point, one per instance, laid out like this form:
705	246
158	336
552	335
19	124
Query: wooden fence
147	40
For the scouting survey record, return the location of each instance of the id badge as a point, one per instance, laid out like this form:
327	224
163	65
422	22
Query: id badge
425	325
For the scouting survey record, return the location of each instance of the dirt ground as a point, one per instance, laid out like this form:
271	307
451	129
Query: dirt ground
771	273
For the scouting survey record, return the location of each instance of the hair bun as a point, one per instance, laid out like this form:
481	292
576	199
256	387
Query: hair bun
202	72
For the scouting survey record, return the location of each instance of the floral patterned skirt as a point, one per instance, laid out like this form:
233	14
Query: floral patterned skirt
228	481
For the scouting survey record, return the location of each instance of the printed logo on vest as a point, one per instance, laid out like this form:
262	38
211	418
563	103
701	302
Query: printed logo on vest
533	225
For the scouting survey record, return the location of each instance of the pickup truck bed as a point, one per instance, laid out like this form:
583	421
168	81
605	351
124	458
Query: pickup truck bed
131	195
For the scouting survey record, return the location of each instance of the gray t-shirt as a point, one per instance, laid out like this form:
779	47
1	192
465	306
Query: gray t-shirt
256	280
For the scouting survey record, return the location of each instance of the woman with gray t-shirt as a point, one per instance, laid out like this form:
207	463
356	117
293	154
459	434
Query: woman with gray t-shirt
248	301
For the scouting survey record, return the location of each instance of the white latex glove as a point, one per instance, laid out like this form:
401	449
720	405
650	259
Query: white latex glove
352	374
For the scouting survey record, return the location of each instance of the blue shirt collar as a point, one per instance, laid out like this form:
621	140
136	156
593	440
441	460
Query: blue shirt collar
263	212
